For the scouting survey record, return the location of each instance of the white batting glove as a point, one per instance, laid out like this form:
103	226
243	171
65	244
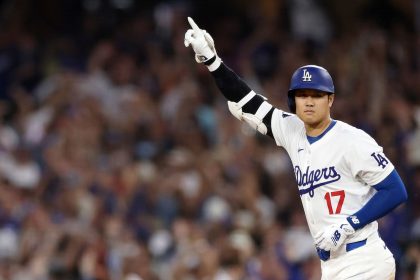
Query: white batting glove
334	236
202	44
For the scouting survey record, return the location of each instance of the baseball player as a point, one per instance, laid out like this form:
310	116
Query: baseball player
344	179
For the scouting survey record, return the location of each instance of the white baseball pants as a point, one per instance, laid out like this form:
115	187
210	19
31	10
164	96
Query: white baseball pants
373	261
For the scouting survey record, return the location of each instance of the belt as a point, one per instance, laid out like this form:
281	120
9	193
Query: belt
325	255
355	245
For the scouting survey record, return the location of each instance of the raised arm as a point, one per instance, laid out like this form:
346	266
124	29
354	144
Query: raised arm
243	102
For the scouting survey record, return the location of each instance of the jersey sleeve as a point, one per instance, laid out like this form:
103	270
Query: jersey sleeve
367	160
284	127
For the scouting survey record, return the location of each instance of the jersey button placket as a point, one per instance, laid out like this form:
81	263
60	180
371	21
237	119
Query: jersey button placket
308	155
308	198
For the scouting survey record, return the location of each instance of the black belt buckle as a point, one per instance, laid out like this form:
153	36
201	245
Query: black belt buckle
323	255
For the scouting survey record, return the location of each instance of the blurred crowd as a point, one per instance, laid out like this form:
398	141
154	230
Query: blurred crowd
120	160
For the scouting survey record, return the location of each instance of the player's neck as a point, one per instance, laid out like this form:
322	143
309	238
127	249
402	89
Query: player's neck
316	129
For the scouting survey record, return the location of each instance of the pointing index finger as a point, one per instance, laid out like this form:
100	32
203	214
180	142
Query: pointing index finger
193	24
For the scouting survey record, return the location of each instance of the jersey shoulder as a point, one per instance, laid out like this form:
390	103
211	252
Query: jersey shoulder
354	138
287	118
286	127
352	135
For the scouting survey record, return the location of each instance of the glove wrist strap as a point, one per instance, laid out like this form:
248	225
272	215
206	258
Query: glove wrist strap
213	63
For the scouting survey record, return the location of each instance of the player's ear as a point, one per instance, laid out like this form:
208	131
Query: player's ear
330	99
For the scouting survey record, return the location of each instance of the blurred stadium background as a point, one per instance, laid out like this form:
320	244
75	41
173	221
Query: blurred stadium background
119	159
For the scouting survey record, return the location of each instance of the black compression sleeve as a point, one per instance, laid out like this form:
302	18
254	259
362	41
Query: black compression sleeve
231	86
252	106
234	89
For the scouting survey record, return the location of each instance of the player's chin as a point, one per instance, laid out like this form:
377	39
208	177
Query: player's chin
309	118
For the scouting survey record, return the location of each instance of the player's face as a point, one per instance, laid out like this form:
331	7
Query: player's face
313	106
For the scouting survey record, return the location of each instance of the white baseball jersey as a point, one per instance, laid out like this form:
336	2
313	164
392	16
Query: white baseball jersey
335	173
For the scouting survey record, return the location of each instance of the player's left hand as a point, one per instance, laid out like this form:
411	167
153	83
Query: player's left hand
334	236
